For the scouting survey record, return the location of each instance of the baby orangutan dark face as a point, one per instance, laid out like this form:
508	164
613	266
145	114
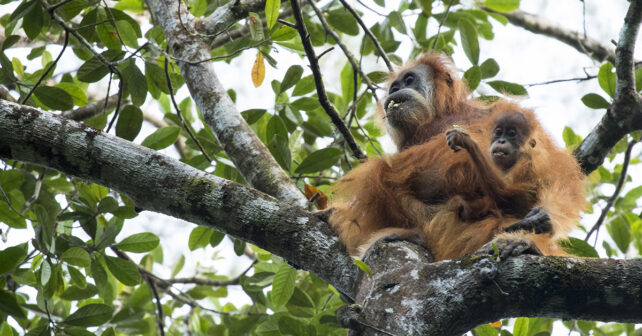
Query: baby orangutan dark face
509	134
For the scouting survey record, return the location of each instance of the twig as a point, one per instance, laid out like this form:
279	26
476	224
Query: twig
323	97
441	23
236	52
365	28
53	64
616	193
159	305
577	79
213	283
178	112
92	109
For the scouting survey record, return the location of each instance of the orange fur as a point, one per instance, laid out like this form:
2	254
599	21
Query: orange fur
408	194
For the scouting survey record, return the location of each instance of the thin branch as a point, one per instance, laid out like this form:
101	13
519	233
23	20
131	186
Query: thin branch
215	58
318	80
369	33
91	109
179	115
53	64
441	23
555	81
213	283
616	193
159	305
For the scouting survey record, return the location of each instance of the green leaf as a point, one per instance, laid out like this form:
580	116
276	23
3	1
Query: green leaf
570	138
508	88
253	115
92	71
489	68
619	230
473	77
521	327
135	81
93	314
343	21
272	12
32	22
485	330
292	76
319	160
578	247
55	98
130	121
283	285
363	266
140	242
595	101
256	27
504	6
127	33
123	270
280	149
216	238
76	93
606	78
76	256
284	33
378	76
9	305
45	272
11	257
469	40
305	85
347	82
396	21
77	277
638	79
162	137
75	293
199	237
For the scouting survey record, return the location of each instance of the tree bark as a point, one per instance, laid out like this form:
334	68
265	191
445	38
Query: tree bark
249	154
159	183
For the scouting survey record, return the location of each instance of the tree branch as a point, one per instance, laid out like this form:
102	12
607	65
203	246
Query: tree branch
162	184
227	15
538	25
318	81
92	109
453	296
249	154
625	115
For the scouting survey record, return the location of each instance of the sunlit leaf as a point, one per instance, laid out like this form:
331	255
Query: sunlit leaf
271	14
283	285
90	315
139	242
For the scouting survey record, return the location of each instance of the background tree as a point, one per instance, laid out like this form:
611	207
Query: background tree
75	180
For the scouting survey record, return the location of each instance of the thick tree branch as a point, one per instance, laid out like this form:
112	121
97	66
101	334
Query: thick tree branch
227	15
248	153
92	109
538	25
409	295
318	81
161	184
625	115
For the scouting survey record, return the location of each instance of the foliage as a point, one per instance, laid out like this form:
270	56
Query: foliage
83	276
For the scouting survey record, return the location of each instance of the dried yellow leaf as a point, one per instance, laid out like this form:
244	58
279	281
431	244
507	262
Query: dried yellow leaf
258	70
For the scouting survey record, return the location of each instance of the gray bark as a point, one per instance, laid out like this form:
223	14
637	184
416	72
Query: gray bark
249	154
159	183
